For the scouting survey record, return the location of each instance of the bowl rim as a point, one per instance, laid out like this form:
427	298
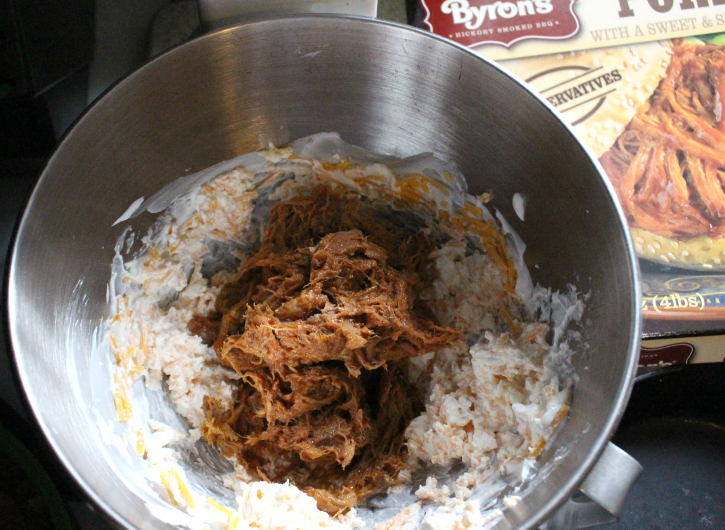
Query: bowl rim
626	383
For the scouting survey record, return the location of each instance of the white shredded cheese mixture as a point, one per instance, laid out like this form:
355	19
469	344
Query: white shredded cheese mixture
492	404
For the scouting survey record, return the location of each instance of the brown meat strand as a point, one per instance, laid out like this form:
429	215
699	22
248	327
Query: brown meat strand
313	412
299	224
665	166
354	308
346	442
319	324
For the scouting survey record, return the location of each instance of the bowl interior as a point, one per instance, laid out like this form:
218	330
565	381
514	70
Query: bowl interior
384	87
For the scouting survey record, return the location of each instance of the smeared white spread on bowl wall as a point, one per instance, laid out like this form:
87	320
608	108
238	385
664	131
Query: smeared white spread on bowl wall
493	401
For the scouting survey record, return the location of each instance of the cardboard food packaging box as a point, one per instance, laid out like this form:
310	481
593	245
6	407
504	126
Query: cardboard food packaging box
642	82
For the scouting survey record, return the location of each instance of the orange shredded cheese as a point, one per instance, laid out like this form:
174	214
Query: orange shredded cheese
421	182
140	442
120	315
164	476
472	209
121	400
122	356
342	164
219	507
495	244
154	256
368	180
563	411
184	490
536	449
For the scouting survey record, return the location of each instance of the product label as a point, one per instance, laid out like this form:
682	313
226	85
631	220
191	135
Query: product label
640	82
527	28
669	355
674	351
571	94
598	91
610	97
689	297
477	22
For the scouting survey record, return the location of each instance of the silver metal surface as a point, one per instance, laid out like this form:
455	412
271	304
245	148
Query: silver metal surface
604	491
218	13
387	88
577	513
610	480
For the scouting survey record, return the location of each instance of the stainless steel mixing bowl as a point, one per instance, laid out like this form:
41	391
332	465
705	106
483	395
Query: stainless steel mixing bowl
385	87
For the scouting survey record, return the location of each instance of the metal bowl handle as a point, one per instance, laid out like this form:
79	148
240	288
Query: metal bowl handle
602	493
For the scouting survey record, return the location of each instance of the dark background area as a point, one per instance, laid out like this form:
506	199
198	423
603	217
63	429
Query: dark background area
57	56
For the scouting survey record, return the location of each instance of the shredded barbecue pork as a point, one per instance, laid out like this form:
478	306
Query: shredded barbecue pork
667	165
319	323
